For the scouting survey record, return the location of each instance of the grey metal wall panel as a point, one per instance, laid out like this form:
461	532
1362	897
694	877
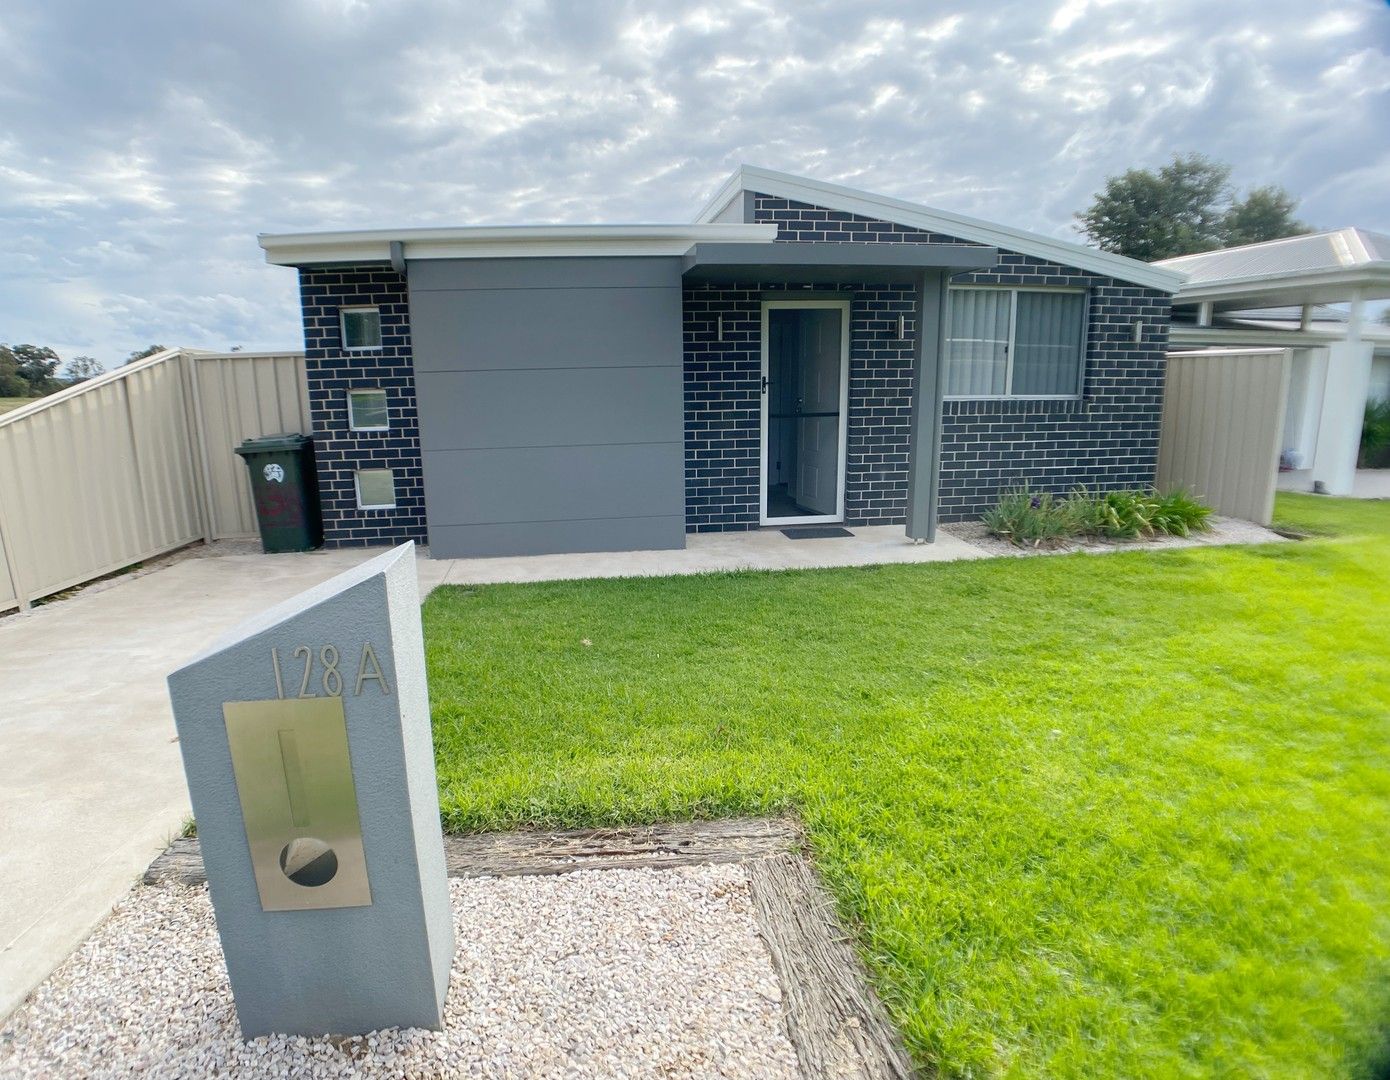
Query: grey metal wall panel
551	403
604	534
556	407
627	272
552	483
496	329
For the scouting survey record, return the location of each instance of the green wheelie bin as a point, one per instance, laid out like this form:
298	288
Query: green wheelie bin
285	488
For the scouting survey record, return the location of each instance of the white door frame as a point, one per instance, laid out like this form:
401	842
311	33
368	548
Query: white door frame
805	519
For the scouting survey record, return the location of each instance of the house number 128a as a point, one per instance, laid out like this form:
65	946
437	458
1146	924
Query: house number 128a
325	665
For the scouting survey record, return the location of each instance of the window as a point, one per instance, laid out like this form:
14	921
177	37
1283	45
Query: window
376	489
1015	342
361	327
367	410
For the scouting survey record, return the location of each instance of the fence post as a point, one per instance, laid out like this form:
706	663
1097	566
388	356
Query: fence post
197	439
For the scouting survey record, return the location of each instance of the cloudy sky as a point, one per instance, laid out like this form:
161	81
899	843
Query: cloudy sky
144	145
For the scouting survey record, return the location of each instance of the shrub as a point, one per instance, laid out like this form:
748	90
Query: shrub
1029	520
1035	520
1375	436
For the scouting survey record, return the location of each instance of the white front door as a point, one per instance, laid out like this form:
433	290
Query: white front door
805	402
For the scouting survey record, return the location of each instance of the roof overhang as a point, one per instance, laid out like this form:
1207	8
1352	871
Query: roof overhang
512	241
1291	289
884	208
1190	336
825	262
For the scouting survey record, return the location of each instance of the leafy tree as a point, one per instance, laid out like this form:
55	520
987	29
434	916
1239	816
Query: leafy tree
1266	213
34	365
11	384
140	354
1184	207
82	368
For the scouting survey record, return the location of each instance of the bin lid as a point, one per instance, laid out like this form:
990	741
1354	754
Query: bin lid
286	440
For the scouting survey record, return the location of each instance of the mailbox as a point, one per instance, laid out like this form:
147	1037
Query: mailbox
305	735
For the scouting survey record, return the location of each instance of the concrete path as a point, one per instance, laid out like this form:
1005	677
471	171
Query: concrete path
91	784
1371	484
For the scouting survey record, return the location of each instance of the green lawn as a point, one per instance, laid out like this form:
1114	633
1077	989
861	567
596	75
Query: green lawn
1106	816
8	403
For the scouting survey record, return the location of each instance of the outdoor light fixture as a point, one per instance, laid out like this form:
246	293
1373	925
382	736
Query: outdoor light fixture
719	321
902	327
1138	331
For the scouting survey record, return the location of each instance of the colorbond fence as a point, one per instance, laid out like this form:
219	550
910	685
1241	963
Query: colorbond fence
1223	417
135	463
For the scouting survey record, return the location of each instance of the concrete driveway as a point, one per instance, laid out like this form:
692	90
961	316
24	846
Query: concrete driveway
91	784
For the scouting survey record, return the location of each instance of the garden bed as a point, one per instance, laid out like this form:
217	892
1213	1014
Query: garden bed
1222	530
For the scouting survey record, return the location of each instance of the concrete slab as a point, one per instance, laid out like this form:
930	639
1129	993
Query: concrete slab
91	785
1371	484
760	549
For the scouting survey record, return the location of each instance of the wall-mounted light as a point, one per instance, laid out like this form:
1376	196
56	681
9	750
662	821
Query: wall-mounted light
902	327
719	326
1138	331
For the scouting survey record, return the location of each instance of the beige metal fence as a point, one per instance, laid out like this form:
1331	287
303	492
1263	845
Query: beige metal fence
1223	416
135	463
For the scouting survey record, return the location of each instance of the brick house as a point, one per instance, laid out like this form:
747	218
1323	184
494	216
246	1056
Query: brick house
803	353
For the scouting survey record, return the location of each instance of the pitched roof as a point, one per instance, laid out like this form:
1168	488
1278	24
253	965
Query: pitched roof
884	208
1321	267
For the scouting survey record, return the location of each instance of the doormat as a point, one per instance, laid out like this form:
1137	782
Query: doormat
815	532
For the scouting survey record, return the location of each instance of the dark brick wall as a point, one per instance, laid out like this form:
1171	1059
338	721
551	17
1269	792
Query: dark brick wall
1106	439
723	404
331	373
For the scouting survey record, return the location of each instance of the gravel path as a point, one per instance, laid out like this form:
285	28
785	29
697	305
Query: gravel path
599	973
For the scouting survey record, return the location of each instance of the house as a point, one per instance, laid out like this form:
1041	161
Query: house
1277	293
801	353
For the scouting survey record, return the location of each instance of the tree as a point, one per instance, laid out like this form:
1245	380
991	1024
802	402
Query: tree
1184	207
140	354
11	385
34	366
1266	213
82	368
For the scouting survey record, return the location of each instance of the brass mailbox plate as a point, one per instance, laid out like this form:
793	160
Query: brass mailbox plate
294	780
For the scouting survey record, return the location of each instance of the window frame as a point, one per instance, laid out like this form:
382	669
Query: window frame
1010	346
386	397
343	313
357	487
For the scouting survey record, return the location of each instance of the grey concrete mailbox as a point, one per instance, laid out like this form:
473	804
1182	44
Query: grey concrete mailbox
306	740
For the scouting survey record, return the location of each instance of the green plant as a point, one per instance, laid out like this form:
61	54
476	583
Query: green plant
1178	513
1030	520
1375	435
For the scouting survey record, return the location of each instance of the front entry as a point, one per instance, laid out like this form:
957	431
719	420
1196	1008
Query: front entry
805	360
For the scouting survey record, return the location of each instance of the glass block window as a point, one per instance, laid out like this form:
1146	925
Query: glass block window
376	488
367	410
361	327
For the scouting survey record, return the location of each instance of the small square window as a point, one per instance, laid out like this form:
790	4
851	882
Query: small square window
376	489
367	410
361	327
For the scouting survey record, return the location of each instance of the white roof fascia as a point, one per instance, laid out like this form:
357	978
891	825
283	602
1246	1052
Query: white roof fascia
884	208
1368	275
1185	334
510	241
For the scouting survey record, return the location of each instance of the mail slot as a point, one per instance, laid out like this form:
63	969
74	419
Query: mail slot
298	802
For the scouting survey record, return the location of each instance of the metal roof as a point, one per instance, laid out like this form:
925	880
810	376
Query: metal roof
1322	267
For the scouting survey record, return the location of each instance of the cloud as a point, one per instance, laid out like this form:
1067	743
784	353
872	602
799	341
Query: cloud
142	146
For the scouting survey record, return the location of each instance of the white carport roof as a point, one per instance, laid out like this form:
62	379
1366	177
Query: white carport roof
1316	268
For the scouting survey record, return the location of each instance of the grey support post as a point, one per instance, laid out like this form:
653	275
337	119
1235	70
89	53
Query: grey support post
305	735
924	470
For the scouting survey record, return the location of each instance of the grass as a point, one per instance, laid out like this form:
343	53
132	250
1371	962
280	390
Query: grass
1120	815
8	403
